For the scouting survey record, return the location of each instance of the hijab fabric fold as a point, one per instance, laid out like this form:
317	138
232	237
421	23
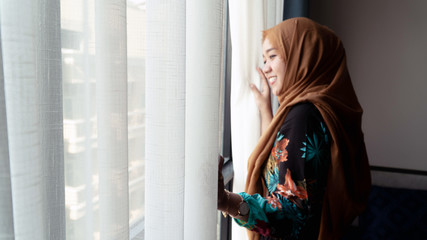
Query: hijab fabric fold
316	72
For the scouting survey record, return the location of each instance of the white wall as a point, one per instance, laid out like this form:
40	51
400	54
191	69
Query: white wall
386	45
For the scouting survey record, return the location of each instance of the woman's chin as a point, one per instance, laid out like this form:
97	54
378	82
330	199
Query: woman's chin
274	92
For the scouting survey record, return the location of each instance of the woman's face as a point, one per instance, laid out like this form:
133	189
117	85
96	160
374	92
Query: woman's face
274	67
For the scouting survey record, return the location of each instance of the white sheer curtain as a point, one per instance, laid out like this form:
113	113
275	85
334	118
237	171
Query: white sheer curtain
165	118
32	89
247	20
203	77
103	78
111	102
183	80
71	119
6	211
31	57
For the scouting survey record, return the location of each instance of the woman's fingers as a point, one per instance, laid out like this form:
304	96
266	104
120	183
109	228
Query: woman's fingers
255	90
220	181
261	74
262	97
220	162
265	87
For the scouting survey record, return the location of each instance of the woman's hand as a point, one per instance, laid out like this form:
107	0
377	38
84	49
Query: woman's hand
263	101
262	98
222	201
228	202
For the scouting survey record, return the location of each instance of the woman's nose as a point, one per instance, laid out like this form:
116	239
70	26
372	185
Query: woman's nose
266	68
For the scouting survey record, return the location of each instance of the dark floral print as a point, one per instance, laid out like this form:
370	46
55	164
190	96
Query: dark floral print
294	175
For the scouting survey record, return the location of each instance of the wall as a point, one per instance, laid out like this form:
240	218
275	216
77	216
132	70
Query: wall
386	45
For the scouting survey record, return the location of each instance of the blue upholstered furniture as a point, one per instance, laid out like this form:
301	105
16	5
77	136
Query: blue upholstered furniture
393	213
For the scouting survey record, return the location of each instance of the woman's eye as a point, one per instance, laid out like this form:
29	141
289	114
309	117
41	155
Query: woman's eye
272	56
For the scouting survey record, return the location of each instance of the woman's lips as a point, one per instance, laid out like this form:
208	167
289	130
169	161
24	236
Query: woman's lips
272	80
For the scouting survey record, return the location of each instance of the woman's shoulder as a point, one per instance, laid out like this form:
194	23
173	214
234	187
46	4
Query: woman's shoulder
303	111
302	115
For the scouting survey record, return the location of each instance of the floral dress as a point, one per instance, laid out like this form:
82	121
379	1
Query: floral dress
295	176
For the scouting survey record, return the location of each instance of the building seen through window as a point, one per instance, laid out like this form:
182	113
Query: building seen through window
78	38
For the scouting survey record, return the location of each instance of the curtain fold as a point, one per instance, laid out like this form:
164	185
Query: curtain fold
6	207
165	119
33	92
246	23
204	40
80	119
111	94
247	20
103	81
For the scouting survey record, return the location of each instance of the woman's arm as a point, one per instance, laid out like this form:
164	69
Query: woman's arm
263	101
228	202
277	215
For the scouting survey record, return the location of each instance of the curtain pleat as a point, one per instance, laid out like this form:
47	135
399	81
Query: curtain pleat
246	24
111	100
204	40
33	93
51	117
80	139
6	210
165	119
247	20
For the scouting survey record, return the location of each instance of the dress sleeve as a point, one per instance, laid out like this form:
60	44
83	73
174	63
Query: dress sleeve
287	208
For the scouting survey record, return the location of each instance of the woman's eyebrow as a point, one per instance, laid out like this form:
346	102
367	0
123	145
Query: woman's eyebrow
271	49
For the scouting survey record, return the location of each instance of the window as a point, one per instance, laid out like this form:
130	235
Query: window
80	117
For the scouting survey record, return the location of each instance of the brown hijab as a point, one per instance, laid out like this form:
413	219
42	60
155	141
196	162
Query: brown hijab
316	72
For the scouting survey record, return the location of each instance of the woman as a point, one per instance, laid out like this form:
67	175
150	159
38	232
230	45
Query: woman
308	177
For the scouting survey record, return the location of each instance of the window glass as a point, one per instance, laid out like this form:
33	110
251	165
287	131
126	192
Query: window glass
80	118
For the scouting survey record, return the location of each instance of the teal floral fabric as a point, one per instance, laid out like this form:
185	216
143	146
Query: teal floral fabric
295	175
